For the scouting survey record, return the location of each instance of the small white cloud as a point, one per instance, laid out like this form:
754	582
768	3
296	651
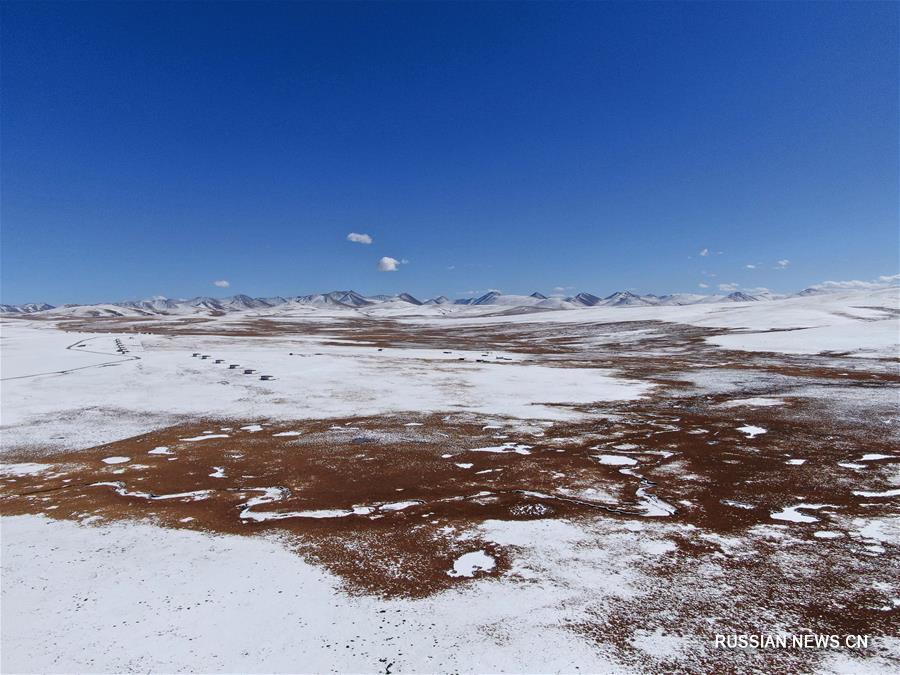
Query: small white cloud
358	238
704	252
404	261
750	267
387	264
728	288
222	283
451	267
781	264
562	289
702	285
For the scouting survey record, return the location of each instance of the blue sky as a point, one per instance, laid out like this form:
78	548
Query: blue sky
151	149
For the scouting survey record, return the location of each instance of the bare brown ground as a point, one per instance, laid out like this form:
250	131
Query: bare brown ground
372	464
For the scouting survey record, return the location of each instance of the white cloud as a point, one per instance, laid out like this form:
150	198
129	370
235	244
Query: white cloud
750	267
704	252
781	264
222	283
855	284
702	285
387	264
358	238
728	288
451	267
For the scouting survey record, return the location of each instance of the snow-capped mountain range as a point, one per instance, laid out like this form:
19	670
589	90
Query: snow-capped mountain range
354	300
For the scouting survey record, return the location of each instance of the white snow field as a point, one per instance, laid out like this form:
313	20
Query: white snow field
596	489
49	385
137	598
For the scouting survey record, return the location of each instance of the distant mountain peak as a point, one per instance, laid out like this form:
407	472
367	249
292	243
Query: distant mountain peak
486	299
350	300
740	296
620	298
406	297
586	299
27	308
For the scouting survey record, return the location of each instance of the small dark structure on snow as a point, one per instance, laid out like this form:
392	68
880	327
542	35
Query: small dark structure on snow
266	377
249	371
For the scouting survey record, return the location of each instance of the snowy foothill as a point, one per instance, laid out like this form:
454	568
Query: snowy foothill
864	323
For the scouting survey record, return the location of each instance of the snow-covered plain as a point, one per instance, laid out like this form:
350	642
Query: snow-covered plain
137	598
105	596
63	402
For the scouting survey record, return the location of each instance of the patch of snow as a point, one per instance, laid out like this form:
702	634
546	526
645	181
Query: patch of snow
659	644
24	469
753	402
792	513
737	505
886	493
751	431
399	506
616	460
508	447
470	563
194	495
205	437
